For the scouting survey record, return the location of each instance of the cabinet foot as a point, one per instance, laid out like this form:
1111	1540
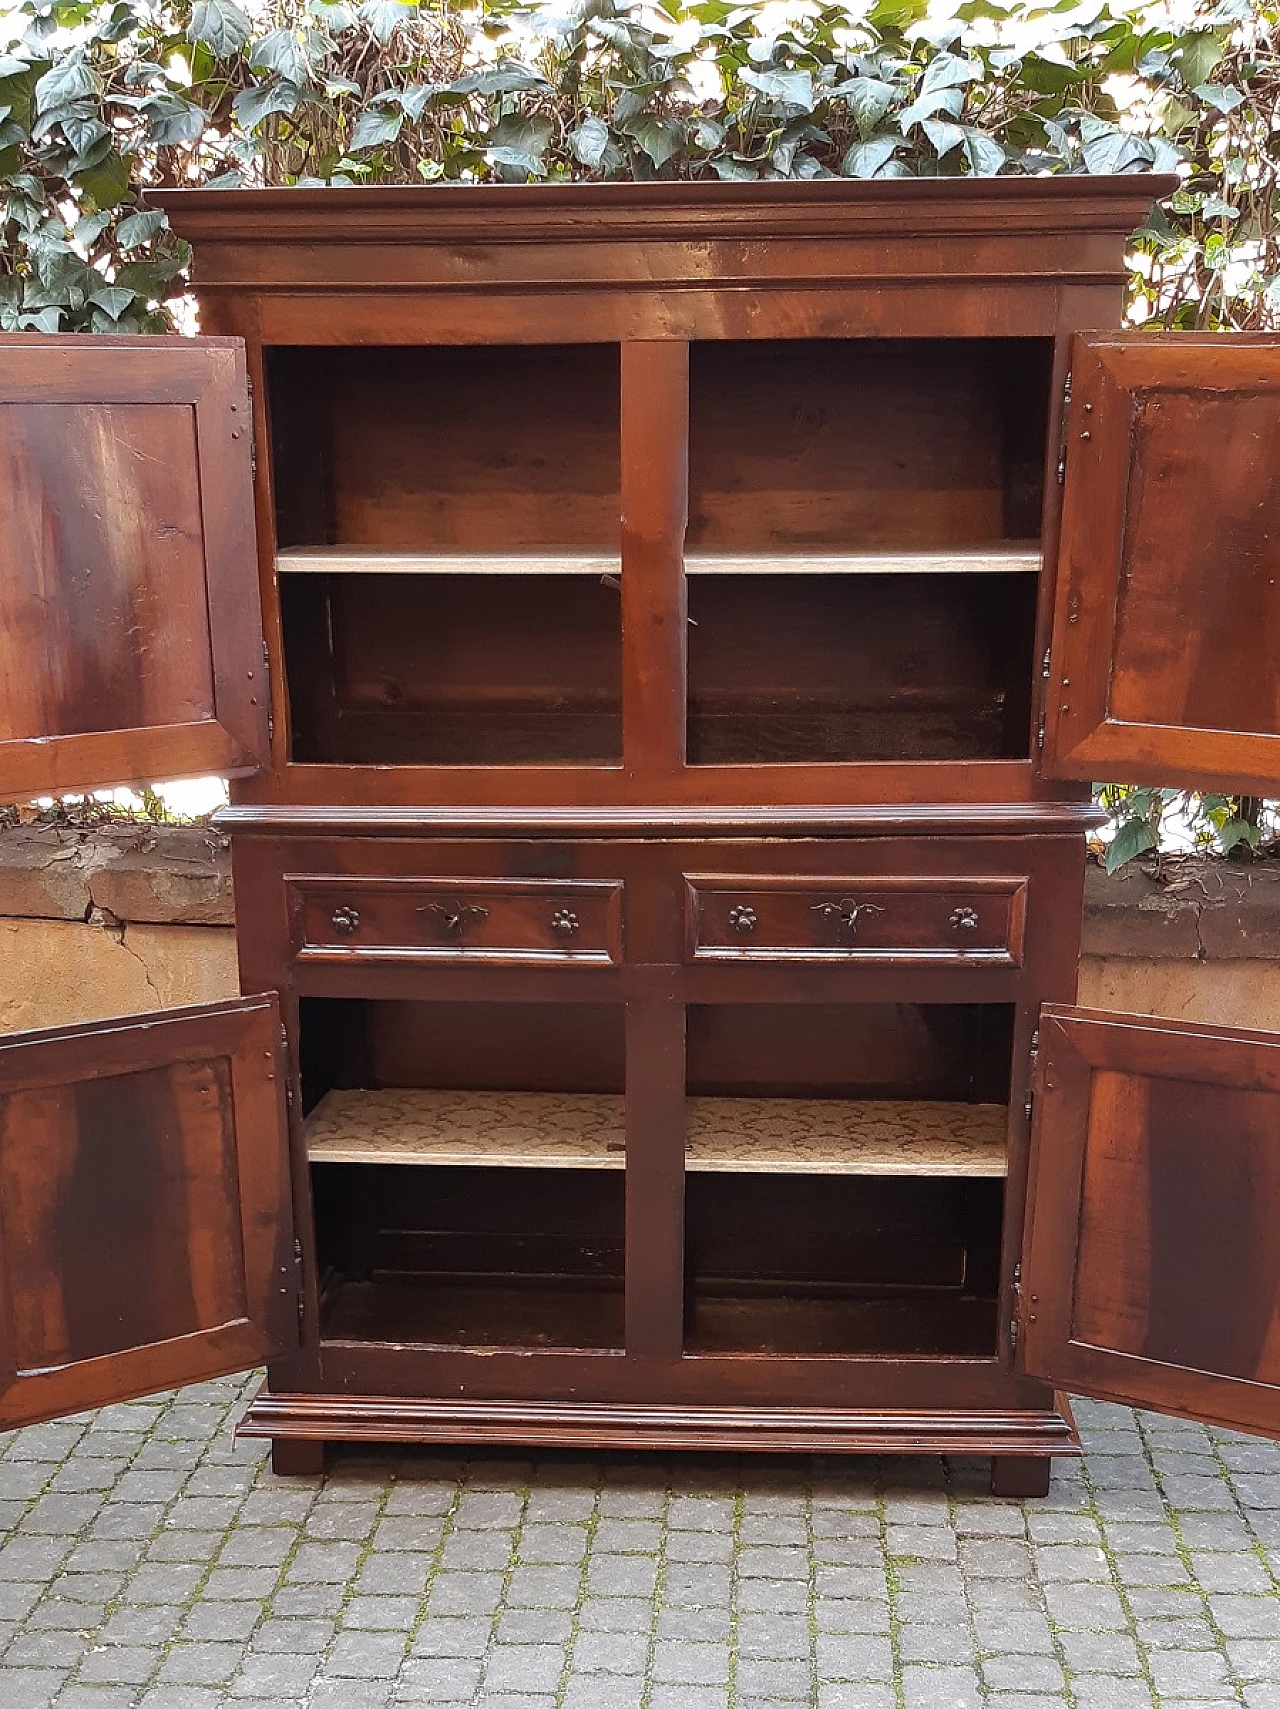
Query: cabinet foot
1020	1475
295	1457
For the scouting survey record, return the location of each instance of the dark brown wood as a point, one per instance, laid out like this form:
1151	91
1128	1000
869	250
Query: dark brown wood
1018	1477
736	919
1163	428
659	651
132	649
1152	1266
655	1115
297	1457
494	920
579	1424
655	428
144	1196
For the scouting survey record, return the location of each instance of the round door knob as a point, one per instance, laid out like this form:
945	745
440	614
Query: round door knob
964	920
743	919
565	922
344	920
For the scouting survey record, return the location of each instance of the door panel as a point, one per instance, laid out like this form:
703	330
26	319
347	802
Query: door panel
1165	663
145	1225
129	616
1151	1267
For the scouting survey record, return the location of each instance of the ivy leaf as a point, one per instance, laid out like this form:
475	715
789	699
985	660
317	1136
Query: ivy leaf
868	99
174	120
261	100
65	81
220	25
1134	837
519	143
1198	54
943	135
332	15
1215	208
868	159
1107	148
384	17
659	138
589	140
949	71
282	51
112	300
138	228
1218	96
788	88
414	99
375	126
107	182
505	78
949	101
734	171
984	154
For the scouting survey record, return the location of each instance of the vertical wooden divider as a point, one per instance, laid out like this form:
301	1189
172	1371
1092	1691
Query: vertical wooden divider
655	503
655	1087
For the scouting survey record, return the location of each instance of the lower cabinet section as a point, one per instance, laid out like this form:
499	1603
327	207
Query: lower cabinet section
749	1204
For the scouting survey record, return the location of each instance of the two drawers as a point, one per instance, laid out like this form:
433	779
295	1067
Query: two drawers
725	918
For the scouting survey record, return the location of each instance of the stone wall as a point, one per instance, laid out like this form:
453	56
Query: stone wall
126	918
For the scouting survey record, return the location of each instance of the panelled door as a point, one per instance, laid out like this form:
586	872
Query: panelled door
146	1229
1151	1254
132	636
146	1234
1165	659
1151	1258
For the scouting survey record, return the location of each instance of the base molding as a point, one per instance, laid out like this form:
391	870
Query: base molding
593	1424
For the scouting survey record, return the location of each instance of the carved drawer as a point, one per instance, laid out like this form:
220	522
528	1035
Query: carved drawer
739	917
472	919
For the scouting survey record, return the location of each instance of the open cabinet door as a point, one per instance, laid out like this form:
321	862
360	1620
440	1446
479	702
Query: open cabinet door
146	1235
1151	1257
130	627
1164	667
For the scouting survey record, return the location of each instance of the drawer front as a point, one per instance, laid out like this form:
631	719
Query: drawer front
940	920
455	919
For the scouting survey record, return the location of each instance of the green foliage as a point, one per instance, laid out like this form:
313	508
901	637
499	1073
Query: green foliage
101	99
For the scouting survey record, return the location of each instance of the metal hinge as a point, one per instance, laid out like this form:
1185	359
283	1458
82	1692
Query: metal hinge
266	689
1045	668
253	431
302	1298
1015	1320
285	1069
1030	1099
1062	430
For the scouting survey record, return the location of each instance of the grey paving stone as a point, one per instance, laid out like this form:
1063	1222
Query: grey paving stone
854	1656
1023	1673
610	1652
690	1664
595	1691
439	1679
940	1688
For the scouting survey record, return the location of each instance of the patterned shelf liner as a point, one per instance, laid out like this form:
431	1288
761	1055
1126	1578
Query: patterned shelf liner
584	1130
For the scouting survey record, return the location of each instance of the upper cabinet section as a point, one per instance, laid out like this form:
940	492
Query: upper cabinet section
658	494
1165	665
132	640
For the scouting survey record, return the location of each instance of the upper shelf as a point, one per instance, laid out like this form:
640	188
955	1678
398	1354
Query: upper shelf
1002	558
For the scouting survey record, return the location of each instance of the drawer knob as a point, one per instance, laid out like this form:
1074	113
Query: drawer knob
565	922
847	912
345	920
743	919
454	916
964	920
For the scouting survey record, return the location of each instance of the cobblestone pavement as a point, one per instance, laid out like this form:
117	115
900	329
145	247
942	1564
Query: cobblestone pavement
150	1562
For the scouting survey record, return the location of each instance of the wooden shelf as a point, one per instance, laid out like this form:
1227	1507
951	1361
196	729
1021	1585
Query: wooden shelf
1014	557
584	1130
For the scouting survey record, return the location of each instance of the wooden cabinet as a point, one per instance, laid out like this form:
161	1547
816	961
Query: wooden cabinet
693	615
